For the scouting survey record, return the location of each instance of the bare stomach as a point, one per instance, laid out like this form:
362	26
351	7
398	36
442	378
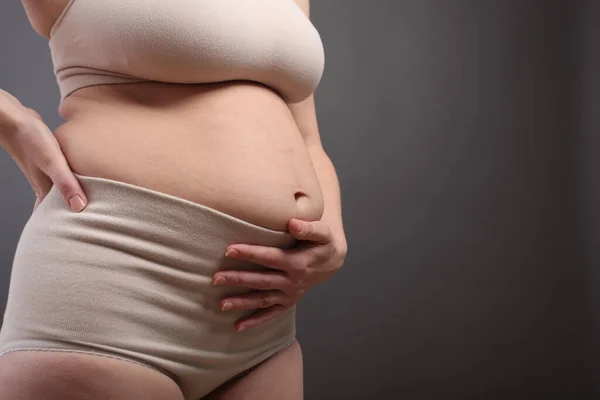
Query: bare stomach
234	146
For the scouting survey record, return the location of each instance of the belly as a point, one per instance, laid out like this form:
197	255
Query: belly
231	146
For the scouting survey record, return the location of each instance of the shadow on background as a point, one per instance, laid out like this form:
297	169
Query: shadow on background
465	135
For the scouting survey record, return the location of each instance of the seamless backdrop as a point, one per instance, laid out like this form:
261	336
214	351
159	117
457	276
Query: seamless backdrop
466	137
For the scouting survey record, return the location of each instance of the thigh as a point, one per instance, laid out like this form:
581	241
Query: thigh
280	377
29	375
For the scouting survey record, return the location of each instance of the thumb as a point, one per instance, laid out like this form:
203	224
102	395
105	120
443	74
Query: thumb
315	231
70	189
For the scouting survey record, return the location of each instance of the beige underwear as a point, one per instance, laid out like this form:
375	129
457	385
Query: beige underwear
107	42
130	277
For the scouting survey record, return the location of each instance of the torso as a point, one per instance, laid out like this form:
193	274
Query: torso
231	146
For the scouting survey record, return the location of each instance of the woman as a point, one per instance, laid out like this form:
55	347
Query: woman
190	132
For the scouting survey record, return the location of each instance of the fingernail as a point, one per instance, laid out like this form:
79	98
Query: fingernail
76	203
227	306
219	281
231	253
241	329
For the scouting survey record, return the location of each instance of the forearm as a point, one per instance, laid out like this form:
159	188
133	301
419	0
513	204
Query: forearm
14	117
9	118
330	186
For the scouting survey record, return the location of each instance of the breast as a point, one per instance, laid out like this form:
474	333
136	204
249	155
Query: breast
189	41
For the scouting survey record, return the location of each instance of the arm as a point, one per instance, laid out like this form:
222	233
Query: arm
33	147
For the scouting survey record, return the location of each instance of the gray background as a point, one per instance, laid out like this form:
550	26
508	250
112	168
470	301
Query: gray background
465	134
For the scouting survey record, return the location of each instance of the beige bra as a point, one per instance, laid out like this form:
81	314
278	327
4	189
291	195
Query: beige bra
97	42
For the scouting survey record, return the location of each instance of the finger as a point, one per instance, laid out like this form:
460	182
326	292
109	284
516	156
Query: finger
259	317
61	175
253	280
315	231
271	257
40	183
293	262
29	175
253	300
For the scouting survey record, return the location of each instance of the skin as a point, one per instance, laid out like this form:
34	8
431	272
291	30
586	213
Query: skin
303	194
323	248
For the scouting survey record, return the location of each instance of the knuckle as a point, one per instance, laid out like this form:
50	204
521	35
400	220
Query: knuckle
341	251
49	157
308	229
287	303
271	257
46	159
63	182
265	283
265	302
301	267
297	288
